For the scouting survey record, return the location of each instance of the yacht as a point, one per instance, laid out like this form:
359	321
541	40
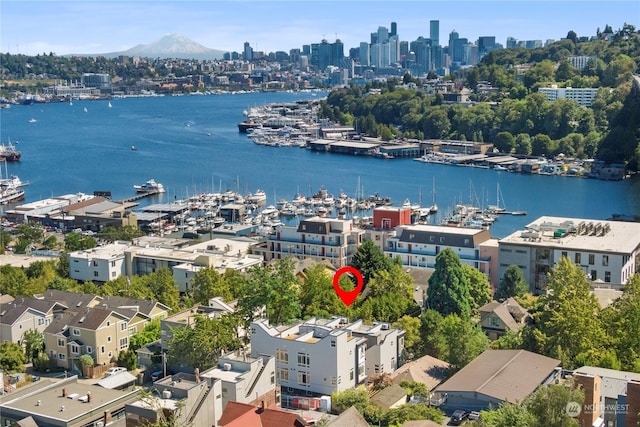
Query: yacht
151	186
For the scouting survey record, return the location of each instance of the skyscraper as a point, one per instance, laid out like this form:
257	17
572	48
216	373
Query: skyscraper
394	29
434	32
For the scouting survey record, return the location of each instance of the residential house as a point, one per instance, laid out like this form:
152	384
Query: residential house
390	397
496	318
23	314
190	400
98	332
73	301
426	370
238	414
385	346
497	376
322	239
99	264
351	417
607	251
245	379
64	403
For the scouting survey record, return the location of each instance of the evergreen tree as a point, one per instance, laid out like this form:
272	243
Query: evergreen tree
512	284
448	290
369	259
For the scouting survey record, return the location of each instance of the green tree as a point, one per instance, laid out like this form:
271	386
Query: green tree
512	284
12	358
390	296
149	334
318	298
411	326
463	341
162	286
431	334
415	388
79	242
86	360
523	144
448	290
33	342
207	284
548	405
569	324
127	358
42	362
505	142
201	345
398	416
479	287
507	415
343	400
369	259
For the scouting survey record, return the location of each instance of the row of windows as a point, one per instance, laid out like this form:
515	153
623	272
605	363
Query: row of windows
577	258
304	378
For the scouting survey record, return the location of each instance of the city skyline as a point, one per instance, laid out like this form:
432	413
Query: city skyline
75	27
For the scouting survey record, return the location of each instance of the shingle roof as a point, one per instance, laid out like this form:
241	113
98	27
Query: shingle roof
351	417
9	313
388	396
508	375
427	370
73	300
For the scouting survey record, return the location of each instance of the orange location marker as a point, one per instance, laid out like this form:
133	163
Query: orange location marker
348	297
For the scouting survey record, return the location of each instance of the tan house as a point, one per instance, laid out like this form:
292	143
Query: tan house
390	397
23	314
139	311
98	332
496	318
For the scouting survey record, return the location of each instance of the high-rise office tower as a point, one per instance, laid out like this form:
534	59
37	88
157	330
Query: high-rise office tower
394	29
453	36
434	32
365	56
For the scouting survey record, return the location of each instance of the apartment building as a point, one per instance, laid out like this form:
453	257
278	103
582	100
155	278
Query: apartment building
318	357
583	96
24	314
321	239
607	251
245	379
419	245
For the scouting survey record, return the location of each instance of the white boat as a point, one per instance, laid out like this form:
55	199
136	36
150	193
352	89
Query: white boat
150	186
10	190
32	120
270	211
110	105
85	110
257	198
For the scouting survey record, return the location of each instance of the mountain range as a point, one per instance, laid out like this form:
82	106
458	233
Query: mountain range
170	45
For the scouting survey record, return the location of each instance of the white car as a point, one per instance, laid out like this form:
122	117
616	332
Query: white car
113	371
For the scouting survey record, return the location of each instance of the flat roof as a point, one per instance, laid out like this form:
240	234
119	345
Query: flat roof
621	237
355	144
49	393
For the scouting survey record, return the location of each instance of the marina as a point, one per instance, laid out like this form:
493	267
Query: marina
173	147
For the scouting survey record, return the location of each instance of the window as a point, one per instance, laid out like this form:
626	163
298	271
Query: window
442	239
351	374
132	330
89	349
607	276
109	338
605	260
123	326
40	321
594	275
564	254
333	343
577	258
76	331
108	322
61	356
102	349
60	342
95	263
124	343
592	259
304	378
113	263
303	359
283	374
273	378
75	349
95	274
282	356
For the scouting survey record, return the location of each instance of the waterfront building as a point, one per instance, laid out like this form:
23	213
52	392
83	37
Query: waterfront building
419	245
321	356
322	239
100	81
607	251
584	96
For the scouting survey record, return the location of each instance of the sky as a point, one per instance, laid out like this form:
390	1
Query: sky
93	27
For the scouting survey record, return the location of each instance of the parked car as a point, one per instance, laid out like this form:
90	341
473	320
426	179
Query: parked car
113	371
458	417
156	376
474	415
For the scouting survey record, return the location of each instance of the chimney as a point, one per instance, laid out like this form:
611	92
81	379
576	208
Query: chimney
64	392
262	406
88	396
197	373
106	417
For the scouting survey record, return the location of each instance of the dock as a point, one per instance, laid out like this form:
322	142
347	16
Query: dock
139	196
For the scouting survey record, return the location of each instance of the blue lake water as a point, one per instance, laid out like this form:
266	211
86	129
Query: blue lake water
191	144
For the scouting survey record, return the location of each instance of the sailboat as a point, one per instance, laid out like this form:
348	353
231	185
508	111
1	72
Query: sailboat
85	110
109	105
499	207
434	207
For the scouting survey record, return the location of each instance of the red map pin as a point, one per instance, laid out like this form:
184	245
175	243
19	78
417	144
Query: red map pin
348	297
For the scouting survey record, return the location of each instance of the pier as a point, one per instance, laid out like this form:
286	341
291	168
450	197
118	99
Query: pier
139	196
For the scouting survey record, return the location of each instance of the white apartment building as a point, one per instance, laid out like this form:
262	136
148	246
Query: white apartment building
315	357
321	356
111	261
419	245
584	96
99	264
579	62
321	239
245	379
607	251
